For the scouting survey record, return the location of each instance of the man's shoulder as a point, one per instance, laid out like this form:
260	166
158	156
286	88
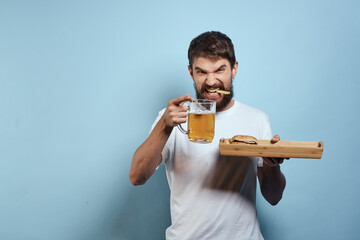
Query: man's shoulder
247	109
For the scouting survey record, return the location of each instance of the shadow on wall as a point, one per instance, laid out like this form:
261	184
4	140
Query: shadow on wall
145	212
270	227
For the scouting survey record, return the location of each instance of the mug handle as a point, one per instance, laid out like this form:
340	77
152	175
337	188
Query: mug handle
181	128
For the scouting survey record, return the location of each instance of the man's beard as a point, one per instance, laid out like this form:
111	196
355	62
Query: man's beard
226	97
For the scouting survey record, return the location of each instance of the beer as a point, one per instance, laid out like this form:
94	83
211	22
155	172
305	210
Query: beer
201	127
201	121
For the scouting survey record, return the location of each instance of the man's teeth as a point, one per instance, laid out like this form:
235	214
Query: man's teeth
212	91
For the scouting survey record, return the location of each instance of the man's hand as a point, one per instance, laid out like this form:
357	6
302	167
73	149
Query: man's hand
273	162
176	112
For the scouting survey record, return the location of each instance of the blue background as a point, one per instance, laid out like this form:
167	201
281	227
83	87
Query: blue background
82	81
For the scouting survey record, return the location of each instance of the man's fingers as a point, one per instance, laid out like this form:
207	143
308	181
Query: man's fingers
275	139
177	121
177	114
273	162
182	99
179	118
174	111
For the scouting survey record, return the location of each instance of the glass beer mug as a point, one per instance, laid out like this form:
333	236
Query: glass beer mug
201	121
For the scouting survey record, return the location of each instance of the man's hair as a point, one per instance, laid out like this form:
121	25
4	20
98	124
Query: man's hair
214	45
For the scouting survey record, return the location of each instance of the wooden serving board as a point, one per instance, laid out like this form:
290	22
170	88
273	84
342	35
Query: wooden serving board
281	149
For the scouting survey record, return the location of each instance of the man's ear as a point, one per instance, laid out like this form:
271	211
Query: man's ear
234	69
191	72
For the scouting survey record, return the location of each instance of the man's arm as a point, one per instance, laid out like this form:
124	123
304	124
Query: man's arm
148	156
272	180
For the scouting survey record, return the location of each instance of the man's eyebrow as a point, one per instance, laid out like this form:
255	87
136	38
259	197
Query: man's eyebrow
197	68
222	66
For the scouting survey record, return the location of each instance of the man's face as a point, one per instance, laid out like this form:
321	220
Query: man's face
209	74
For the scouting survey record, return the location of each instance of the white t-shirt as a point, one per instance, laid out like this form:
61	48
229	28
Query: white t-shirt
212	196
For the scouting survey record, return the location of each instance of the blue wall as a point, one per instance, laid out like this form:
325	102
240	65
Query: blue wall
81	83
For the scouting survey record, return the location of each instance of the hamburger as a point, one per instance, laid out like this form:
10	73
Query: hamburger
243	139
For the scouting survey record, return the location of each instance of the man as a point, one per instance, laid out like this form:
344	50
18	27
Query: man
212	196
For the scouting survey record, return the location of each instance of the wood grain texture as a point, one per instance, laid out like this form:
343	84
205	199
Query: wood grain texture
281	149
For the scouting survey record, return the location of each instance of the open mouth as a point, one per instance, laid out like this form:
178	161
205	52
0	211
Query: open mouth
212	94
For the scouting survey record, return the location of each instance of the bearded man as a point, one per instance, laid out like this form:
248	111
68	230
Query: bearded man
212	196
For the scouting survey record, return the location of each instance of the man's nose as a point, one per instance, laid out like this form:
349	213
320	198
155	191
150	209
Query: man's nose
211	79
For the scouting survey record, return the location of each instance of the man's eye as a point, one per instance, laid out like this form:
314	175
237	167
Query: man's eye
220	70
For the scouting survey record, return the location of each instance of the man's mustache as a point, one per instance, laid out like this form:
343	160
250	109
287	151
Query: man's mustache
219	86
